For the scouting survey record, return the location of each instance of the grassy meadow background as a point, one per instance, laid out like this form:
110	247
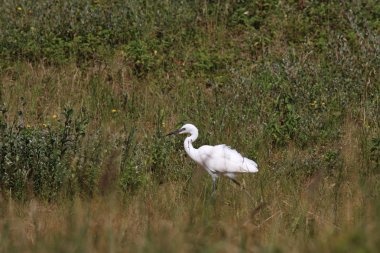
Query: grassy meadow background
88	90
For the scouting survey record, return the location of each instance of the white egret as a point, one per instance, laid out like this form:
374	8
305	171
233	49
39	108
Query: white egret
216	160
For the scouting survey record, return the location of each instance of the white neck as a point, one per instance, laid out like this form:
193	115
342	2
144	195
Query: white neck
188	144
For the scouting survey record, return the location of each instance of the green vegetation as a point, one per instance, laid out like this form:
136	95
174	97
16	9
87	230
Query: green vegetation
88	90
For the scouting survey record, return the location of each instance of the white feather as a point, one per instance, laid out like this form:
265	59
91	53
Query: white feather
216	160
222	159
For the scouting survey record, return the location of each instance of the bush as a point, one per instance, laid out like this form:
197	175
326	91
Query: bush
36	160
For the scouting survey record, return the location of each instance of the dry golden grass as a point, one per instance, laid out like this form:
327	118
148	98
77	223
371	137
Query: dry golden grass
175	217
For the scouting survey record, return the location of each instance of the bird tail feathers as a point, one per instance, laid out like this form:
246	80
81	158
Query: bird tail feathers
249	165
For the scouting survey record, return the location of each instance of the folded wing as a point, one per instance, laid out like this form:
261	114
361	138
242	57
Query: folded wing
223	159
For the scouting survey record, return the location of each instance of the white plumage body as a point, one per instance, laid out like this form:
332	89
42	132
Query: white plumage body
221	159
216	160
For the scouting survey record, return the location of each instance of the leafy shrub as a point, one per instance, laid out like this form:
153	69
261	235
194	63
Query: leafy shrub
209	61
36	160
284	121
159	152
132	176
252	13
78	29
138	53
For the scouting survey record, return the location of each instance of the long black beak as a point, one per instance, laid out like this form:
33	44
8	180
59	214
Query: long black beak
175	132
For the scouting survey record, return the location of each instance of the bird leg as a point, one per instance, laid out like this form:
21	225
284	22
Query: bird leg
213	185
214	177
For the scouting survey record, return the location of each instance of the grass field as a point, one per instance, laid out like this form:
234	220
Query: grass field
88	90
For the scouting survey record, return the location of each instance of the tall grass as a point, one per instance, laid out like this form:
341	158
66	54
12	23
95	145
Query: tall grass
88	90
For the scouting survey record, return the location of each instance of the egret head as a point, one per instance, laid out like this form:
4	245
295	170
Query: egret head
186	129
